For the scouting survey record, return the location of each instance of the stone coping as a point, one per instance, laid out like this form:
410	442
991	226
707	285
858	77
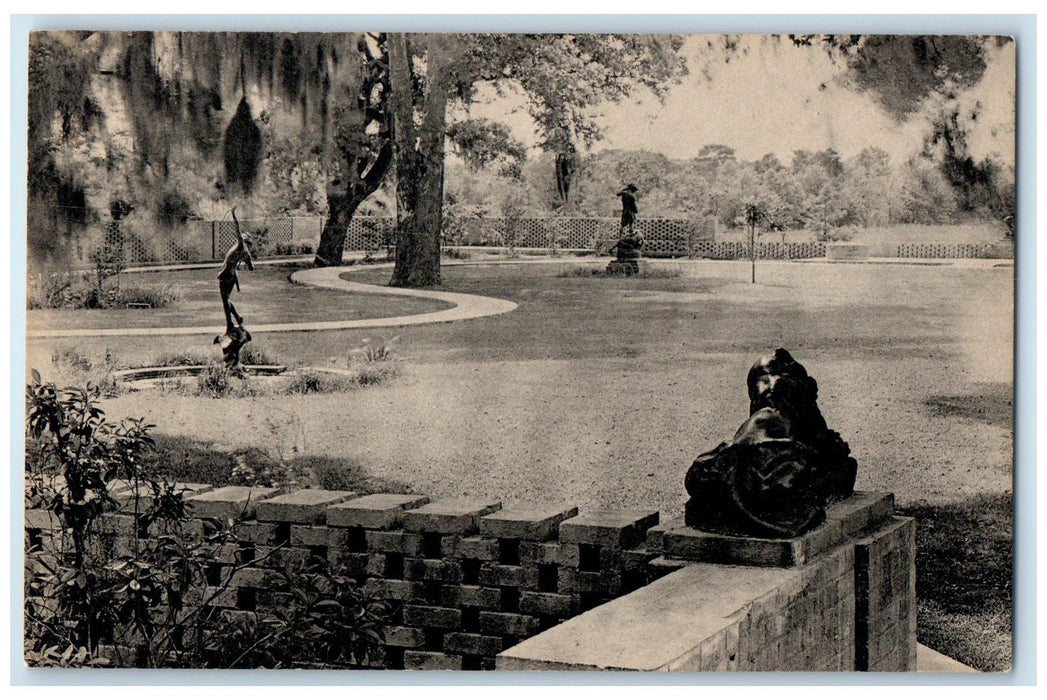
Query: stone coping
844	520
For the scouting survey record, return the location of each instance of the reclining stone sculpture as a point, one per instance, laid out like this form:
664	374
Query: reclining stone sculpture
782	467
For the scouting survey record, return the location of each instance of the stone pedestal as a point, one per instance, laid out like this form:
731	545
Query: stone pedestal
628	267
840	598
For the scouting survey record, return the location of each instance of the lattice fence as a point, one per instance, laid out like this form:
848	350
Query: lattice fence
768	250
199	240
203	240
945	250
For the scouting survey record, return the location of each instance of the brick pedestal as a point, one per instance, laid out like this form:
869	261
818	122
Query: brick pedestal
840	598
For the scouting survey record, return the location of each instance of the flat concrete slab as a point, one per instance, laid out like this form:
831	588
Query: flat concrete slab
608	528
652	627
378	511
302	507
229	501
533	524
844	520
449	516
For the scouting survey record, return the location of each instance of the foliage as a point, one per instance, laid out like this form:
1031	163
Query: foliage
292	249
817	190
70	366
481	142
218	382
372	350
254	354
563	77
183	358
313	382
649	272
453	253
901	71
323	622
146	598
109	262
72	290
157	297
512	219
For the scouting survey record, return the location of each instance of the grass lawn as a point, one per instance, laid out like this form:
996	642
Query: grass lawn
266	296
599	392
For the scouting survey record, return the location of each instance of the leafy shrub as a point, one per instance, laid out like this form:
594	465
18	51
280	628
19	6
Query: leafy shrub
218	381
70	366
185	358
150	601
257	355
248	470
313	382
456	254
293	249
156	297
374	350
373	374
48	291
78	291
649	272
347	474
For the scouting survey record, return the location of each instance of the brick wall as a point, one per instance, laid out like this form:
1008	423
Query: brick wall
468	579
464	578
839	598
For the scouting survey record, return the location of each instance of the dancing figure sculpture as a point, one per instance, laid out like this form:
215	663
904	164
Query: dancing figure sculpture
782	467
236	336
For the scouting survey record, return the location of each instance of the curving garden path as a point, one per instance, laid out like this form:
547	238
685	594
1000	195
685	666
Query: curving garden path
465	306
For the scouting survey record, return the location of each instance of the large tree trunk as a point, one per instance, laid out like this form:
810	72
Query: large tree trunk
363	164
332	239
419	162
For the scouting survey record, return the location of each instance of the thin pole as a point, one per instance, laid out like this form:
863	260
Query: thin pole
752	248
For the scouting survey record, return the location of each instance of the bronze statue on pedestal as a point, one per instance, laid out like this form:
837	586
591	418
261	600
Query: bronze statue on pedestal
783	465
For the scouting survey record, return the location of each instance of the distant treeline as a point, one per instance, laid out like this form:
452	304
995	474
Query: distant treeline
814	190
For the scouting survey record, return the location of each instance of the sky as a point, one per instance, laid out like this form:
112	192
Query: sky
774	97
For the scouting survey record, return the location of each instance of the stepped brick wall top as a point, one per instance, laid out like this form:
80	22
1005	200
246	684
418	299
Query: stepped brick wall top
467	580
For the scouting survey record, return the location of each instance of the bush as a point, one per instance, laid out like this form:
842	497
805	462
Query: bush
456	254
659	272
78	291
218	382
155	297
48	291
292	249
144	596
313	382
186	358
374	374
72	367
257	355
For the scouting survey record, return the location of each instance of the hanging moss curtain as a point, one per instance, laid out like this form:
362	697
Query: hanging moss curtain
242	149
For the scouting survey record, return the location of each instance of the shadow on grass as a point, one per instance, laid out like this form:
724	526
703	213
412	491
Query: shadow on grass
184	459
964	571
995	407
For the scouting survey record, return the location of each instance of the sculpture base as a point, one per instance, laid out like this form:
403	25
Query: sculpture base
231	344
845	519
634	266
851	606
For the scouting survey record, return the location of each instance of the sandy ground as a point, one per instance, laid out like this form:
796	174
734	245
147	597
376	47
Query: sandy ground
599	392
